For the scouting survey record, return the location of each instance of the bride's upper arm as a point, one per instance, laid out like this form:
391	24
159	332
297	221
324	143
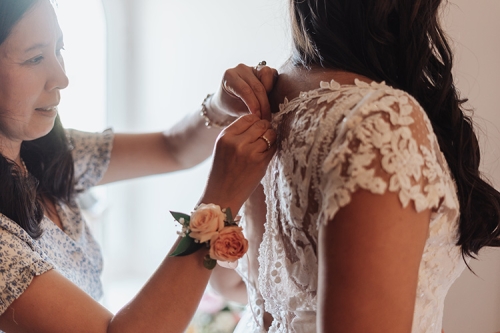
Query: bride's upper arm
369	257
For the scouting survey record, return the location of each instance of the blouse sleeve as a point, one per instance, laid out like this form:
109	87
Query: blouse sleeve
20	261
91	155
387	144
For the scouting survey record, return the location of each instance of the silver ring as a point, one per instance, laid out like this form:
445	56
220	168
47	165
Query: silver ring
267	141
260	64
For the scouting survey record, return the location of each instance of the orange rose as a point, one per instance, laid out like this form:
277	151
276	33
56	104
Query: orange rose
229	244
206	221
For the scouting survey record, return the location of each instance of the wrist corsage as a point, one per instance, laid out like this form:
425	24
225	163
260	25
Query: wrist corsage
213	227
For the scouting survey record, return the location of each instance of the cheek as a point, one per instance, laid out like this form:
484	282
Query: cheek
13	105
18	93
16	110
22	98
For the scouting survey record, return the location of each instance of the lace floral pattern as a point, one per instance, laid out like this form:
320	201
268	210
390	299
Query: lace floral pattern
333	141
252	319
72	251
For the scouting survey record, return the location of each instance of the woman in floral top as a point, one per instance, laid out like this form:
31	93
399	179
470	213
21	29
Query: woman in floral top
50	264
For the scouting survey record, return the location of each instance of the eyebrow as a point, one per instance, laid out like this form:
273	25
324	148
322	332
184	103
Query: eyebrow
35	47
42	45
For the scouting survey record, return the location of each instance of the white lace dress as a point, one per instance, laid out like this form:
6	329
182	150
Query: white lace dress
333	141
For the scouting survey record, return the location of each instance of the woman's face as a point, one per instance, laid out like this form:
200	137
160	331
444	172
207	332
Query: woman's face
31	76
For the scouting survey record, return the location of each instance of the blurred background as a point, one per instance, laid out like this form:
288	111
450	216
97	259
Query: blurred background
141	65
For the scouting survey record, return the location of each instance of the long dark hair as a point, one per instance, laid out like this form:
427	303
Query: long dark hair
48	159
402	43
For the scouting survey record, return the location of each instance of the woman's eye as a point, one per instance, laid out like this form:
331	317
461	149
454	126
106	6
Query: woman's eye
35	60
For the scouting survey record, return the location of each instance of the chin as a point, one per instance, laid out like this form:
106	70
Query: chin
39	133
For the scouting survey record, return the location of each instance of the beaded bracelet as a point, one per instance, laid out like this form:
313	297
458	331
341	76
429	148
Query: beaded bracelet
209	122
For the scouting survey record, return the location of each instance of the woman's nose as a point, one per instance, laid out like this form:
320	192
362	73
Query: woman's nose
57	78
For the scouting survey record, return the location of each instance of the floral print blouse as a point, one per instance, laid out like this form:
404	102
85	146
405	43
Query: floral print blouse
72	251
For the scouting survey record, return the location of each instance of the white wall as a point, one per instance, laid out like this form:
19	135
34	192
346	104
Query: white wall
473	304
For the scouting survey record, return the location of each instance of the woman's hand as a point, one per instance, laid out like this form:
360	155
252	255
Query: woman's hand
244	89
242	153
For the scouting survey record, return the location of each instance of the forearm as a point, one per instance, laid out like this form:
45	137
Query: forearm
191	141
184	145
168	300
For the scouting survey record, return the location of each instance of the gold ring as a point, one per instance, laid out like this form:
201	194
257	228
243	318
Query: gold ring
267	141
260	64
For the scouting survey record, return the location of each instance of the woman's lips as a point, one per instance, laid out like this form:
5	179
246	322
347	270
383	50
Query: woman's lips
50	111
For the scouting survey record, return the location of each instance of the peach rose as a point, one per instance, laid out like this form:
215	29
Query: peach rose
229	245
206	221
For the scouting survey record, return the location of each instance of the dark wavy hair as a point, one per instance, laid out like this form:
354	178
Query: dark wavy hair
402	43
48	159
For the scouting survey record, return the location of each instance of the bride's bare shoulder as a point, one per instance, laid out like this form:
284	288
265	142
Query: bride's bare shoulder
293	80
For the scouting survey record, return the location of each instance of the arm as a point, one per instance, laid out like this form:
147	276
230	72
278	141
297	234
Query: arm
368	265
190	142
167	302
379	191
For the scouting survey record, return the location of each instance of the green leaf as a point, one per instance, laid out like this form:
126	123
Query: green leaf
177	216
229	215
186	246
209	263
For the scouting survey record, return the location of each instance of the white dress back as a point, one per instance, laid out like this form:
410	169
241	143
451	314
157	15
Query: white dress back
331	142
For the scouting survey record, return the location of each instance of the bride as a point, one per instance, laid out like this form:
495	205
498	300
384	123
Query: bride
373	201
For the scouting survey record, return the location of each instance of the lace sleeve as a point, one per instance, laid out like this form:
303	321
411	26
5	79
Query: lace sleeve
385	144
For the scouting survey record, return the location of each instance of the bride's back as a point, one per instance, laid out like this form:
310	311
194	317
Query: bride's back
335	140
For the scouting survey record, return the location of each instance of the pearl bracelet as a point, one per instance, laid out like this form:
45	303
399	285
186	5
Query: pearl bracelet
209	122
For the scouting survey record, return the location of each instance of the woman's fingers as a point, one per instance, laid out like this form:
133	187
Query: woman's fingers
243	83
245	89
250	130
267	76
242	124
269	138
240	161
